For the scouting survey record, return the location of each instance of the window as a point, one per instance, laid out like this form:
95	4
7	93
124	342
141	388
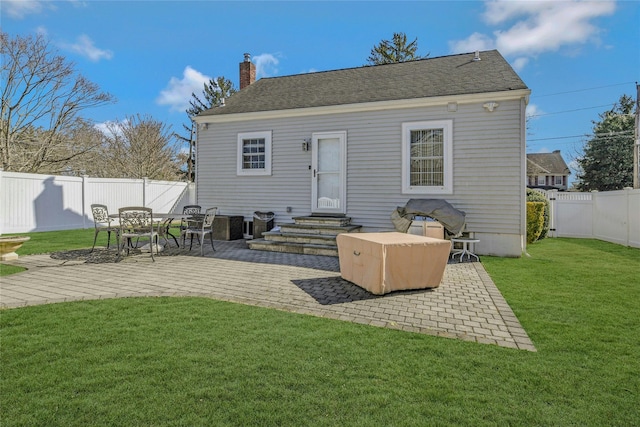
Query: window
542	180
254	153
557	180
427	163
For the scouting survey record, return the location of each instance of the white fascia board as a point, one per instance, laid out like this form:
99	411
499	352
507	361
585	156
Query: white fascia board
368	106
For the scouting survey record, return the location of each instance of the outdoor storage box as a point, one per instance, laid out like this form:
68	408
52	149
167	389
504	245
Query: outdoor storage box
262	222
228	227
387	262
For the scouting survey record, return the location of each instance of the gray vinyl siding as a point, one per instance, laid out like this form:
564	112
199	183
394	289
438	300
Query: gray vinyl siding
487	166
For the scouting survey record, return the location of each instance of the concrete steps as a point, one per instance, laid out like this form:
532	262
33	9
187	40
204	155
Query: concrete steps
311	235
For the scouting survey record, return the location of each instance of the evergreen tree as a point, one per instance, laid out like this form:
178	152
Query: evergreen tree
395	50
213	94
607	163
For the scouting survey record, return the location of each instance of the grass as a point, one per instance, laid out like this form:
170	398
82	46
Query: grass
190	361
54	241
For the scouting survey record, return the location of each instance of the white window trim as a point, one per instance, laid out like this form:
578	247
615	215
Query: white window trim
267	154
447	126
542	180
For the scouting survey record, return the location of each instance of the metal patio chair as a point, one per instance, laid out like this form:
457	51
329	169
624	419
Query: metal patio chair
137	222
102	222
189	210
200	228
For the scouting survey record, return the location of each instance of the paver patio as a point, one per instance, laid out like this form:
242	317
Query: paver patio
467	305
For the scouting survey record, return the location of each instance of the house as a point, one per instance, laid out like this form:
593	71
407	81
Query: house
547	171
359	142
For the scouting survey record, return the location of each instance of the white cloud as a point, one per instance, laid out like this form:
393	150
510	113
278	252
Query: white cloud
266	65
102	127
528	28
533	110
559	24
499	11
575	167
84	46
178	92
111	128
42	31
475	41
18	9
519	63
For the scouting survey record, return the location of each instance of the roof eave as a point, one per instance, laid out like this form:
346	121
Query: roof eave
368	106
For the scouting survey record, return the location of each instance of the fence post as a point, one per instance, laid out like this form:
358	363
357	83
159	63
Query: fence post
594	210
84	200
1	199
144	191
627	219
552	199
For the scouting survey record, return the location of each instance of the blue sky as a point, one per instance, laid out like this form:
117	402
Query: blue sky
577	57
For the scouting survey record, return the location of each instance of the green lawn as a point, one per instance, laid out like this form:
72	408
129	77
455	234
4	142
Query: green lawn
53	241
200	362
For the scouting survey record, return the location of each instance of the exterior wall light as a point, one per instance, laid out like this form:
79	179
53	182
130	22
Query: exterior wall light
490	106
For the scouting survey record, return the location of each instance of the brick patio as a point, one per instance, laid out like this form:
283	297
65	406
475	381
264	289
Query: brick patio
466	306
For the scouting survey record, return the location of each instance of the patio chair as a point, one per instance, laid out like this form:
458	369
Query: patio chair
102	222
200	228
189	210
137	222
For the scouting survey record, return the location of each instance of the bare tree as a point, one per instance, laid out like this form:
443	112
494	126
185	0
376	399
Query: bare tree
88	140
42	96
139	147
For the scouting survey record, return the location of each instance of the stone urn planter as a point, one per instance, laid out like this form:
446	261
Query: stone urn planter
9	245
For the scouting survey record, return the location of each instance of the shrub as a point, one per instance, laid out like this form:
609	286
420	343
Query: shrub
535	220
536	196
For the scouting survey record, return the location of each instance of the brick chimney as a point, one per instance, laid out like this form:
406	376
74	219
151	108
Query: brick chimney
247	72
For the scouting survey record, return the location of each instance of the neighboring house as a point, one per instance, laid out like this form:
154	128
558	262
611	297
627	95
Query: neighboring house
547	171
363	141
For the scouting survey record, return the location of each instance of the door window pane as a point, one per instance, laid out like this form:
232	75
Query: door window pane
329	154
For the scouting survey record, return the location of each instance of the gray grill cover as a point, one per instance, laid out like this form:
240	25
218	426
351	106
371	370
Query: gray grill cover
451	218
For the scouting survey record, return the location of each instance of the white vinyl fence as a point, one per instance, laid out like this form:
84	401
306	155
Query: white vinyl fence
612	216
32	202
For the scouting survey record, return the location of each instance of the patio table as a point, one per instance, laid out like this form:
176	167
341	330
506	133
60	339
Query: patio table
161	219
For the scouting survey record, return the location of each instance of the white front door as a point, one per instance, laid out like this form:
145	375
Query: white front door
329	158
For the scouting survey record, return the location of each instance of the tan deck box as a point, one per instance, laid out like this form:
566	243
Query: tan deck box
387	262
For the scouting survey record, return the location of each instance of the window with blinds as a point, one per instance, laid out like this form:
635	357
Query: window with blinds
427	158
427	164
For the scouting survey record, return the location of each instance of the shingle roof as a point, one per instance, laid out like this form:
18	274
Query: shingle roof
546	163
440	76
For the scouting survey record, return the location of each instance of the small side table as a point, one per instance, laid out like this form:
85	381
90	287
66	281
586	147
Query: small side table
466	241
